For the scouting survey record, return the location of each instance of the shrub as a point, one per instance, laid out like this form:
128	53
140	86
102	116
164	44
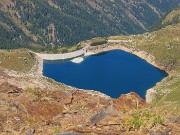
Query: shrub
143	118
98	41
64	50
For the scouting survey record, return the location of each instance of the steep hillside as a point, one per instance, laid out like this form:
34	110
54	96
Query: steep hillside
11	36
173	17
161	48
66	22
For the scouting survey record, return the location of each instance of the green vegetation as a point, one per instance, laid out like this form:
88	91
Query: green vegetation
11	37
17	60
55	130
56	23
171	18
63	49
31	91
164	44
80	107
98	41
36	18
167	95
143	118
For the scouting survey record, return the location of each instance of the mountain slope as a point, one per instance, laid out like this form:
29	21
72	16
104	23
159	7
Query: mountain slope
10	35
171	18
162	47
66	22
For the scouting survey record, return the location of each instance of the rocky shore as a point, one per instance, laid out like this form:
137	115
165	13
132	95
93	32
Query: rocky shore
150	94
107	47
142	54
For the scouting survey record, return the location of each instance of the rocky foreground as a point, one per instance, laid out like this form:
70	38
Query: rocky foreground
37	105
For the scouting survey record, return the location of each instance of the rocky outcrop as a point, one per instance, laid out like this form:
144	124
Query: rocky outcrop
76	111
129	101
150	95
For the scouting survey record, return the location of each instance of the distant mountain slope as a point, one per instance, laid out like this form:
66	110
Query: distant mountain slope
66	22
11	36
173	17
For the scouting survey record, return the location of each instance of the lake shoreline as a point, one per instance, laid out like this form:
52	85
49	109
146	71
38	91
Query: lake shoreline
100	49
141	54
150	93
94	50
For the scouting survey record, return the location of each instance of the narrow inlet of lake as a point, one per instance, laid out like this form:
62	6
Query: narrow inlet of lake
112	73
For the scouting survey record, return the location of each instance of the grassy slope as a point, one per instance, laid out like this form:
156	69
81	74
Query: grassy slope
170	18
164	44
17	60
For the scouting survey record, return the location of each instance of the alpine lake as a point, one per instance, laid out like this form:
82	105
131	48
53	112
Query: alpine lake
112	73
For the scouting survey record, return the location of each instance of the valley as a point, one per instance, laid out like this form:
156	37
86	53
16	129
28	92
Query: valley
47	24
31	103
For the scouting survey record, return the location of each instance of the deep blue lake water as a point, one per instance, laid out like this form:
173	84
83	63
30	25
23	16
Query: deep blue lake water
113	73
